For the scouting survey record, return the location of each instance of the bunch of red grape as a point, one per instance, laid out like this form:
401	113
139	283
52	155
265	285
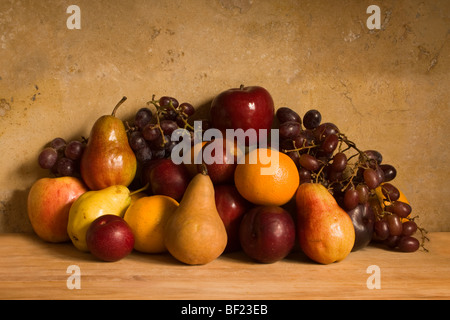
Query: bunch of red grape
150	133
325	155
61	158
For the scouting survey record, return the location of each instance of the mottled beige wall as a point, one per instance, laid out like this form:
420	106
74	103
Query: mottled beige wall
387	89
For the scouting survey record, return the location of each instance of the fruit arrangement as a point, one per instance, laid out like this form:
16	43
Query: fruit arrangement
123	188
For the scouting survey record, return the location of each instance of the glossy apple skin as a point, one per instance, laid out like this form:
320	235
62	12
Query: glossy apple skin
267	233
166	178
245	107
231	207
109	238
48	205
363	219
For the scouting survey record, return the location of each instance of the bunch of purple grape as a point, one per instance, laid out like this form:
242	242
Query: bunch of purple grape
325	155
150	133
62	158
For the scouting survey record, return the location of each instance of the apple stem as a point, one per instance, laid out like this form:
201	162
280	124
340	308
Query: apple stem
118	105
242	87
140	190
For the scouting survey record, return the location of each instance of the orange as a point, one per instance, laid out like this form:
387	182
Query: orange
268	177
147	217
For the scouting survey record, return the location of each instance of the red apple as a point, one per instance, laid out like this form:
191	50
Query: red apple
220	163
267	233
231	207
49	202
245	108
166	178
109	238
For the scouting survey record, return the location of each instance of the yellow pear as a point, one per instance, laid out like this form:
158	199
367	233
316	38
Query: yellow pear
195	234
93	204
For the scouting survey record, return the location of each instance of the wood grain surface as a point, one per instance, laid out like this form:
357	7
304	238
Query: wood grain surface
33	269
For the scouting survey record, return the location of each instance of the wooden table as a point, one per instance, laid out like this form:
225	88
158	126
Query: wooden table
33	269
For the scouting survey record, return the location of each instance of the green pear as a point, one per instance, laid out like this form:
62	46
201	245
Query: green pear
93	204
108	159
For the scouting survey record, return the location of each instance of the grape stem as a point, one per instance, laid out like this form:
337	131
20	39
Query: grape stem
161	111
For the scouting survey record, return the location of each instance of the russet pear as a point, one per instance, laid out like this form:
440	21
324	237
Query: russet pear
108	159
325	231
194	233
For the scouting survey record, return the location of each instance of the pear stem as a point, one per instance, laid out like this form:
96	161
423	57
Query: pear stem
118	105
204	169
140	190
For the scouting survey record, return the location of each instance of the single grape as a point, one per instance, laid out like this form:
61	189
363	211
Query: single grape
309	162
290	129
312	119
65	167
324	130
137	141
165	102
351	199
330	143
389	172
142	117
371	178
395	225
304	174
373	156
339	162
390	192
58	144
300	140
168	126
158	153
151	132
285	114
187	109
363	193
47	158
161	142
380	174
409	228
381	230
74	150
144	154
295	157
408	244
392	241
399	208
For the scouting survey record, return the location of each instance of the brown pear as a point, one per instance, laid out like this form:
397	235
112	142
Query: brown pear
108	159
195	233
325	231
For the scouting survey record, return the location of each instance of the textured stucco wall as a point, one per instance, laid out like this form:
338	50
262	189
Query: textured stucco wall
387	89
